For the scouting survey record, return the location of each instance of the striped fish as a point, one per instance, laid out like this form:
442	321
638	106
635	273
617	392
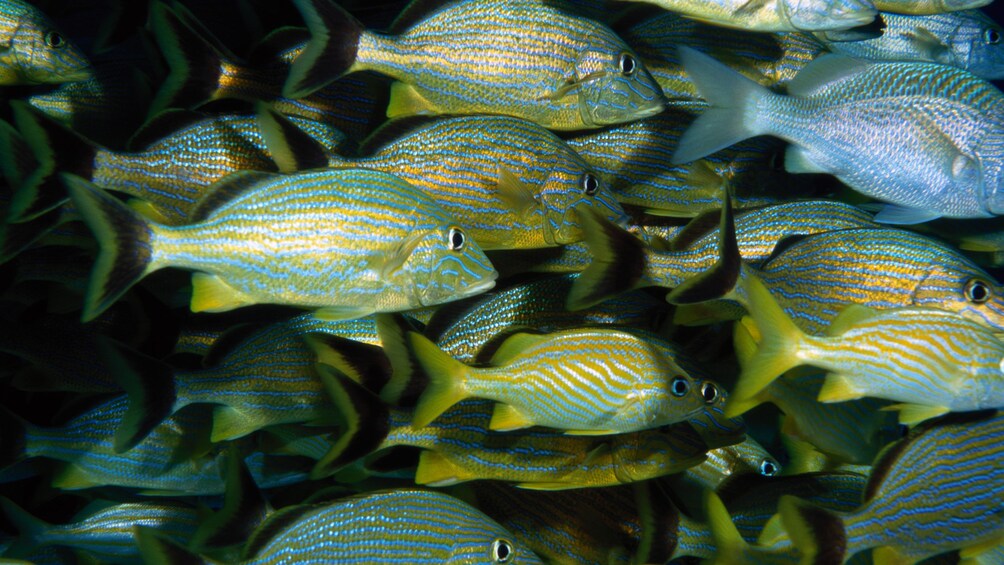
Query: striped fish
464	330
781	16
202	69
188	152
930	360
459	446
815	278
349	241
566	72
695	249
633	159
35	52
511	183
106	534
770	59
400	526
585	381
967	39
837	117
725	464
956	504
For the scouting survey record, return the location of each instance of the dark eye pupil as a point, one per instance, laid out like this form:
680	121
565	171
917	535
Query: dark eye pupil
710	392
992	36
680	386
590	184
627	64
503	551
977	291
767	468
53	39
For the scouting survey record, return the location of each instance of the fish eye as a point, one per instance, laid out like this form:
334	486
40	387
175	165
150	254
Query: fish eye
628	64
710	392
680	386
769	468
457	239
54	39
977	291
502	551
590	184
992	36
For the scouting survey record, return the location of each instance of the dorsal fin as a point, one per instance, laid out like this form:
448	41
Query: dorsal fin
392	131
515	345
695	229
225	190
413	13
290	147
164	124
268	50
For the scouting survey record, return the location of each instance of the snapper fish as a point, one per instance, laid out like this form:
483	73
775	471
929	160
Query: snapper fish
34	51
588	381
926	138
350	242
935	491
776	15
922	7
563	71
933	361
969	40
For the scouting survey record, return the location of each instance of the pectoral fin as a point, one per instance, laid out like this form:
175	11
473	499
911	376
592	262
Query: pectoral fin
514	193
901	215
930	45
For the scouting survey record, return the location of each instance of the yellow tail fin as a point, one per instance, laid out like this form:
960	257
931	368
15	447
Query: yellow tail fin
446	380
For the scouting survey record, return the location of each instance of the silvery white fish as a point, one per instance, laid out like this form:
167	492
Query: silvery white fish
968	40
926	137
921	7
33	51
348	241
775	15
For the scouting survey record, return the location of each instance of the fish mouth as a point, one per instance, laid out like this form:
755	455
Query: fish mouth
481	286
837	18
658	105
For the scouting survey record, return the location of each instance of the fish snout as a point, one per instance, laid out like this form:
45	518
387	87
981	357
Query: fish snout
811	15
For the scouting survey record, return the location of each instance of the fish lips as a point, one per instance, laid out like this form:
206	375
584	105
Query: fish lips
838	15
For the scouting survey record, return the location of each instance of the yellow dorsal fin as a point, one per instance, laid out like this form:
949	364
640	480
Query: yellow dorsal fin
515	346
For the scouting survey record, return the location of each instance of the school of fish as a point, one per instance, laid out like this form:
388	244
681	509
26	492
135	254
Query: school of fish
502	282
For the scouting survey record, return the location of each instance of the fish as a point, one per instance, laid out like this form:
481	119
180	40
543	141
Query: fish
397	252
405	525
781	16
35	51
612	380
183	153
459	446
105	531
967	39
949	165
567	73
955	507
922	7
944	362
695	249
511	183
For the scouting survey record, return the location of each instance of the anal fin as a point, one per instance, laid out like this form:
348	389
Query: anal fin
506	417
436	470
211	294
838	388
405	100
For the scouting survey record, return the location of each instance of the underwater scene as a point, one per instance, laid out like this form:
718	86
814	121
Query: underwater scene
502	282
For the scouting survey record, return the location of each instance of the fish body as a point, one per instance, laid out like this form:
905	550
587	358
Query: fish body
511	183
106	534
777	15
923	7
595	381
940	362
321	239
967	39
815	278
405	525
34	51
956	506
934	136
563	71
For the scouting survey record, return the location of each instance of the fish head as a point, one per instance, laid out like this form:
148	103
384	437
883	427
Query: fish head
666	400
444	264
565	191
486	542
985	56
42	54
614	87
820	15
959	285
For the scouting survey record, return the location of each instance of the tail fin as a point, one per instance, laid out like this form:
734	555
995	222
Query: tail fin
618	265
291	148
125	240
16	237
195	59
244	508
17	160
157	549
780	340
56	148
730	547
817	533
149	385
331	51
733	100
720	280
410	351
365	421
29	528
